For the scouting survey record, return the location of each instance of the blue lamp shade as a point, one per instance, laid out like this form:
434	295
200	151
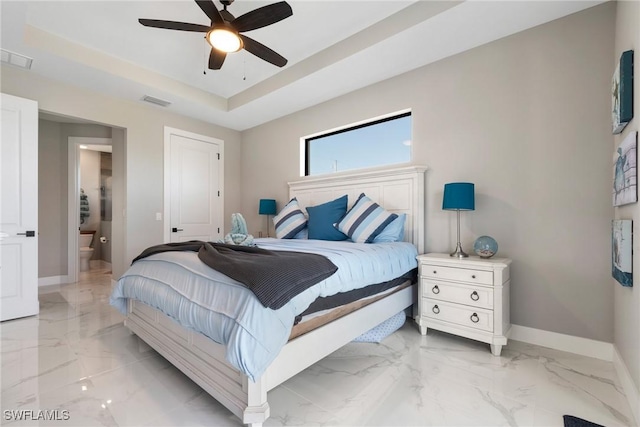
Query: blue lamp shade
459	196
267	207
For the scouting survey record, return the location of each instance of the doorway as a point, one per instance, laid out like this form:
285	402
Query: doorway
90	204
59	220
193	186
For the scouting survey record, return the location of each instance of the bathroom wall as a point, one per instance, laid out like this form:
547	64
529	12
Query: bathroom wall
90	183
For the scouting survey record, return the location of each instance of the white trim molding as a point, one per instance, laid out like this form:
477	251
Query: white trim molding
629	387
52	280
578	345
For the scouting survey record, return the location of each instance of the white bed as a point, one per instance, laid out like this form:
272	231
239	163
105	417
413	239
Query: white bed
399	190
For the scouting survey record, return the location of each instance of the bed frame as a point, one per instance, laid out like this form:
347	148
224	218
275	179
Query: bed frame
399	190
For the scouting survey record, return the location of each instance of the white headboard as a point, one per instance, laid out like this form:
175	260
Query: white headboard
398	190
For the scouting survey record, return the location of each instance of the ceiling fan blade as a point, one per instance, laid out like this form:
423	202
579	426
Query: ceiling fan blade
262	16
216	59
173	25
211	11
263	52
226	15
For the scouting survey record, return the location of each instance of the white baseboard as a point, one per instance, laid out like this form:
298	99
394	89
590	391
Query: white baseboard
629	387
52	280
583	346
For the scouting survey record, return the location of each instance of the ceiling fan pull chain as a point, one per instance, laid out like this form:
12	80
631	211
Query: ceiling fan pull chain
204	57
244	69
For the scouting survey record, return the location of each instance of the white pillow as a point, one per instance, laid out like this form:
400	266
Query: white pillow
365	220
290	220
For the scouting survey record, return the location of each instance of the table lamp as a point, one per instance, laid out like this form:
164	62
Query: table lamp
267	207
458	196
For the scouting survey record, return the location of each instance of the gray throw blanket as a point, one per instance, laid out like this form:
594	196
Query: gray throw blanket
273	276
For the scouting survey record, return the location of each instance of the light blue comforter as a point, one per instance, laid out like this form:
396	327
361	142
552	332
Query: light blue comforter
202	299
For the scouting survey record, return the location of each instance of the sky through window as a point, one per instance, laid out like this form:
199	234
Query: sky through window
374	144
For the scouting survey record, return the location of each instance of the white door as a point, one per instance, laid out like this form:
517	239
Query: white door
195	178
19	208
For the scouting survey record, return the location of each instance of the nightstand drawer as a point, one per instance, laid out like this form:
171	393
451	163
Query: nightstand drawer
457	274
471	317
475	296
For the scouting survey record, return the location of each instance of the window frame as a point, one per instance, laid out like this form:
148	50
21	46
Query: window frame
305	141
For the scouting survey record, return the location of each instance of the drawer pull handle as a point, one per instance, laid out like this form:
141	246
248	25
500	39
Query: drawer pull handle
473	276
475	296
435	272
475	318
436	309
435	289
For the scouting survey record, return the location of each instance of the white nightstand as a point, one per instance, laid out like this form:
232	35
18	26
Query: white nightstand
468	297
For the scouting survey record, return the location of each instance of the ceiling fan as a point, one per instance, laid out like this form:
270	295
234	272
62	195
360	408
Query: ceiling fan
224	32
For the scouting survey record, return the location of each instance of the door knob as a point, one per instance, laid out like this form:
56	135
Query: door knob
175	230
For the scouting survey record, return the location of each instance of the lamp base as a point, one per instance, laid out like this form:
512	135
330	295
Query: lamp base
459	253
268	226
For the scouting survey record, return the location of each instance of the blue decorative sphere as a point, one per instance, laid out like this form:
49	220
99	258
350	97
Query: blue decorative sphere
485	246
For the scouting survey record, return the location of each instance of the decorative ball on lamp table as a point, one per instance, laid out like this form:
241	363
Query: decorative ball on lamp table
485	246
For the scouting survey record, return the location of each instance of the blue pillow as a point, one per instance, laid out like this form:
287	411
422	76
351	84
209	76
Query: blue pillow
365	220
290	220
394	232
323	217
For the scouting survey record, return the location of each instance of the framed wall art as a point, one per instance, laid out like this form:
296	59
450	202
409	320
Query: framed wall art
621	251
622	92
625	172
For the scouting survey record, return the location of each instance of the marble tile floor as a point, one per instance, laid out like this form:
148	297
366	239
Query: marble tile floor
77	356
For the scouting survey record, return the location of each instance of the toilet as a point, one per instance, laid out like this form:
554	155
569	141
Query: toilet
85	251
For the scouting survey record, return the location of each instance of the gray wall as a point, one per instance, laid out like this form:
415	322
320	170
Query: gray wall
525	118
143	138
52	199
627	300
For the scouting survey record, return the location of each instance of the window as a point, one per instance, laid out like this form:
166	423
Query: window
380	142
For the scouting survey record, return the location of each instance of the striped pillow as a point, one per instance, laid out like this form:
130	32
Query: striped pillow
365	220
290	220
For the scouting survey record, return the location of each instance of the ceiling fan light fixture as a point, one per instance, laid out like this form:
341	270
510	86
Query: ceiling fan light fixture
224	39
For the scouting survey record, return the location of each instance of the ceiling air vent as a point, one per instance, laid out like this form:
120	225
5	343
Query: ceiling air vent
156	101
16	59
